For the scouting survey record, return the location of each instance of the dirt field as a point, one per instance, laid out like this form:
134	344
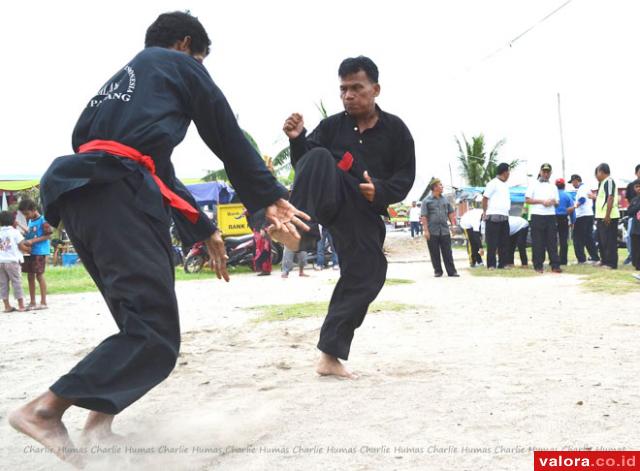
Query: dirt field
475	375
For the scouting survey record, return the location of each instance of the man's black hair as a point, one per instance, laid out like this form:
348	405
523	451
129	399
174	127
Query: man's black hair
170	28
6	218
637	168
353	65
575	176
27	205
604	168
503	167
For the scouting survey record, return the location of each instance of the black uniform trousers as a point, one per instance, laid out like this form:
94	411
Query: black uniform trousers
544	238
563	238
519	241
332	198
128	255
635	250
497	237
441	244
474	244
608	240
583	237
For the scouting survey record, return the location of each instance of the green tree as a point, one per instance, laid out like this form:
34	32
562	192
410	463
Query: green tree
280	165
476	166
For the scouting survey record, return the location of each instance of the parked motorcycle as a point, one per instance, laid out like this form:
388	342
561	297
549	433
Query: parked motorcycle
240	251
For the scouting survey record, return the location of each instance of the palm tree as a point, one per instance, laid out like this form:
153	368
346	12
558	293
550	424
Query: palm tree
478	168
221	175
280	165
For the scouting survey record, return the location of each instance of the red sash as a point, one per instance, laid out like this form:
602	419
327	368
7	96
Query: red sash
116	148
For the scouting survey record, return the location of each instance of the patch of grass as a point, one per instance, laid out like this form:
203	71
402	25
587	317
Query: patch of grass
601	280
398	281
595	279
207	273
517	272
389	282
283	312
64	280
75	279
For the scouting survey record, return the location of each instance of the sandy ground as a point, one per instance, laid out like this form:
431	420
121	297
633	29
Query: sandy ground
483	370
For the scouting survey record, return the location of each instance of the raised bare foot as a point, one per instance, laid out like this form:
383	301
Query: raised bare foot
331	366
286	236
44	425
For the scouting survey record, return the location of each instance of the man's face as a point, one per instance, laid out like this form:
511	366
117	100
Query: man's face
545	174
504	176
637	188
437	189
413	204
600	175
638	173
358	94
575	183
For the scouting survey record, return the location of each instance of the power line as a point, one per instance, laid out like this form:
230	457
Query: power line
517	37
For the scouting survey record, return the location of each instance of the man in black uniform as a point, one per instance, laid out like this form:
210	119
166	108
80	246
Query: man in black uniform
348	170
117	195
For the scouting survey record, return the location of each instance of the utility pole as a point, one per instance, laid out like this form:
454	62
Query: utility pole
561	137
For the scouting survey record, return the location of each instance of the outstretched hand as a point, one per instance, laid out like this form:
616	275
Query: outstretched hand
218	255
285	221
368	189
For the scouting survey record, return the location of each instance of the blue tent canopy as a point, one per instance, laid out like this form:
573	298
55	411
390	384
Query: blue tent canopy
211	193
516	192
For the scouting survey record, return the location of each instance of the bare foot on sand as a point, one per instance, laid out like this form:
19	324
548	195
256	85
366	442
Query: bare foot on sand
41	419
287	236
97	429
331	366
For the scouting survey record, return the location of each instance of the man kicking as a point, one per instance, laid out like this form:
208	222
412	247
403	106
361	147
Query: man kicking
117	195
348	170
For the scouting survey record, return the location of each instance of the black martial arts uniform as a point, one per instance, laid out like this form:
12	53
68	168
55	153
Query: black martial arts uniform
116	218
331	196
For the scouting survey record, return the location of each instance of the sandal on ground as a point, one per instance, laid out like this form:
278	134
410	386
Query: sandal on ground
40	307
11	309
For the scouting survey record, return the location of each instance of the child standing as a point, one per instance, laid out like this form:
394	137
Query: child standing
10	258
37	239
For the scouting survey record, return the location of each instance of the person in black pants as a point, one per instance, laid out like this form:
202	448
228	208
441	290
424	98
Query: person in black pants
436	211
607	216
518	230
542	196
348	170
564	212
496	203
583	225
497	237
117	195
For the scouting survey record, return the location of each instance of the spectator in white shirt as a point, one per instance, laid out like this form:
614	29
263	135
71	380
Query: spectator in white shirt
583	227
414	219
496	203
542	197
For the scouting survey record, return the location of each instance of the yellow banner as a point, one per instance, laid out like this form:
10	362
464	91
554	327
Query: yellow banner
231	220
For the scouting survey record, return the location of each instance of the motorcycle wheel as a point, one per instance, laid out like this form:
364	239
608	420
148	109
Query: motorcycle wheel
276	253
193	263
